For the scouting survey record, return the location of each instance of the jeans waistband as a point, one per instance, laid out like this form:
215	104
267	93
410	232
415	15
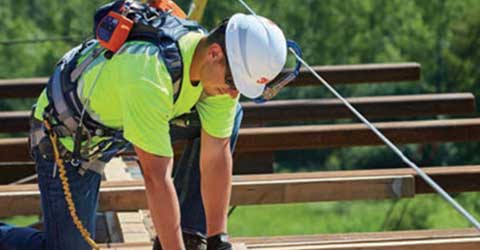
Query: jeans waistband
40	142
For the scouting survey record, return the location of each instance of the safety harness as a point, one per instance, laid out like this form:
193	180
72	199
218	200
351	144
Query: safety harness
66	112
66	115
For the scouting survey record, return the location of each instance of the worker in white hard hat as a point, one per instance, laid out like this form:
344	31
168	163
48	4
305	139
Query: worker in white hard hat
241	55
131	92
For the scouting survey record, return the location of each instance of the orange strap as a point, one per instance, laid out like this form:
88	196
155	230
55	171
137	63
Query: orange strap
166	5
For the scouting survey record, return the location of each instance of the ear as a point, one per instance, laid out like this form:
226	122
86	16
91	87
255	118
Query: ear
215	52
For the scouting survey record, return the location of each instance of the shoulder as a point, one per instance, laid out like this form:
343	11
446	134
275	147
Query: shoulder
217	114
139	62
139	50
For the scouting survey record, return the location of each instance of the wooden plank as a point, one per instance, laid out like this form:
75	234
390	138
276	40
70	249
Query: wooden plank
452	178
14	150
323	189
441	244
125	246
361	73
371	107
323	136
293	240
22	87
14	171
130	224
239	246
318	136
450	244
148	246
312	110
253	163
415	239
133	228
14	121
130	195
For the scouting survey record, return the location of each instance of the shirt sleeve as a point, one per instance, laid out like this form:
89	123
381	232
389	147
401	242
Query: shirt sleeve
147	110
217	114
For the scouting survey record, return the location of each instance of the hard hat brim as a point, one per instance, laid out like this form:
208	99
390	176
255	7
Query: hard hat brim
245	85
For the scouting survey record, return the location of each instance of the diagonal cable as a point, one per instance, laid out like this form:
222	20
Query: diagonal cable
387	141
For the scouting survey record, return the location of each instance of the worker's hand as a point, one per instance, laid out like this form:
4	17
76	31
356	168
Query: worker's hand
191	241
219	242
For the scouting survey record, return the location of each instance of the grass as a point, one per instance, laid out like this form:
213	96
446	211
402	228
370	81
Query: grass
20	221
422	212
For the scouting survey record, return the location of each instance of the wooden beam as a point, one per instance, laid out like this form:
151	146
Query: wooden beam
323	136
441	244
14	171
22	87
130	195
409	235
324	189
361	73
148	246
318	136
313	110
371	107
14	150
253	163
453	178
130	224
14	121
272	189
415	239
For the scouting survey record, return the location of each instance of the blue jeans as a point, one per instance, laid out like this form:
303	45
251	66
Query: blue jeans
60	232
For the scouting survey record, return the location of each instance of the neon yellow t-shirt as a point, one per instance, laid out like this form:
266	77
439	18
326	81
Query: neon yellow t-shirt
134	92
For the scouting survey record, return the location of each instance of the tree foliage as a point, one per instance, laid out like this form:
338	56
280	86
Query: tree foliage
442	35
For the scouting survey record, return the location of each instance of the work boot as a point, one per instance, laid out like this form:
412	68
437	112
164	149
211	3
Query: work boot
191	241
219	242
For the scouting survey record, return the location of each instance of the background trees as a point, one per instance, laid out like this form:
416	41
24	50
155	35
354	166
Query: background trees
442	35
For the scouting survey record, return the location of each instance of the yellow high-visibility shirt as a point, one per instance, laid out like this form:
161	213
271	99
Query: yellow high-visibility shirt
134	92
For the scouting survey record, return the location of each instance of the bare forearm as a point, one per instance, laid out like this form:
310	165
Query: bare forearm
216	182
162	198
165	212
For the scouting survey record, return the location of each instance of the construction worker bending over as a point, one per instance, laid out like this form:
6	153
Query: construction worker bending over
138	91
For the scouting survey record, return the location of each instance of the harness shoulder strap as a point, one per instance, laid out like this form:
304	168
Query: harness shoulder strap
64	104
166	32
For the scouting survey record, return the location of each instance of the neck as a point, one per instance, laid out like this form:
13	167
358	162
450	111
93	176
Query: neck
198	60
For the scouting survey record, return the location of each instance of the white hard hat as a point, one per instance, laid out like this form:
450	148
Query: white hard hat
256	51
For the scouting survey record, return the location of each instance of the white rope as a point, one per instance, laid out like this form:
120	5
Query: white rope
392	146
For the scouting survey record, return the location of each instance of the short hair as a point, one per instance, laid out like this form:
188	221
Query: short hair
217	35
